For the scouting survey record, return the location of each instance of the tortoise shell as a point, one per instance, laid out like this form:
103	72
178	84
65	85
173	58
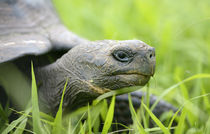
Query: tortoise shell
32	27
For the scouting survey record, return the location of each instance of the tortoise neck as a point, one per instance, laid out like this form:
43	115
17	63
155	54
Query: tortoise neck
52	79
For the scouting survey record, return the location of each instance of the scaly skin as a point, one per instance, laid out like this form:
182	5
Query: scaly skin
93	69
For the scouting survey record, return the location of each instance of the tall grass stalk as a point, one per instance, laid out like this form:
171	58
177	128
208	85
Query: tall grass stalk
35	107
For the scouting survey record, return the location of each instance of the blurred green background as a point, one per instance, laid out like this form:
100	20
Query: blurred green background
179	30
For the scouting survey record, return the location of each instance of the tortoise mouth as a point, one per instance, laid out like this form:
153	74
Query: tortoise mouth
136	73
134	79
125	80
97	89
133	73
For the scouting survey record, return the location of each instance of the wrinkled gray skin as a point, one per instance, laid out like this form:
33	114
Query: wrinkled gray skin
93	69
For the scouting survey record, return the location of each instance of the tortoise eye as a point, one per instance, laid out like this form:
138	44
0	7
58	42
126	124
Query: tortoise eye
122	56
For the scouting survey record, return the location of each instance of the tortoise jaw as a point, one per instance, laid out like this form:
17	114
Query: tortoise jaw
134	79
119	81
132	72
96	89
136	73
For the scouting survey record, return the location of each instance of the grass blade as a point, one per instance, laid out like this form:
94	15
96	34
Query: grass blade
35	106
207	128
197	76
89	121
21	127
156	120
148	104
180	127
206	100
173	118
78	123
47	117
57	128
14	124
104	110
96	125
135	117
82	128
3	114
109	117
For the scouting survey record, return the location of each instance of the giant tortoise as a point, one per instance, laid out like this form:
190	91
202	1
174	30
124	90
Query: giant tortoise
30	30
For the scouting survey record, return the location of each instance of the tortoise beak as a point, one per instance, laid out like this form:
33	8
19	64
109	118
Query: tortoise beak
147	61
151	60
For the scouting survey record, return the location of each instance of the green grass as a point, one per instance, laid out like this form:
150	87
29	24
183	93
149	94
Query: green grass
43	123
109	117
180	32
35	106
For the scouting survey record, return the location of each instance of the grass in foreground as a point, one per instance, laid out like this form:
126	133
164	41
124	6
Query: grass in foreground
86	119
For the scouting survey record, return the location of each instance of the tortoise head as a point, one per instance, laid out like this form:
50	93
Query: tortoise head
93	69
109	65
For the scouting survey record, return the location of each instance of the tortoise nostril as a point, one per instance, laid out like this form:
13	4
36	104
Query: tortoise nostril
150	55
